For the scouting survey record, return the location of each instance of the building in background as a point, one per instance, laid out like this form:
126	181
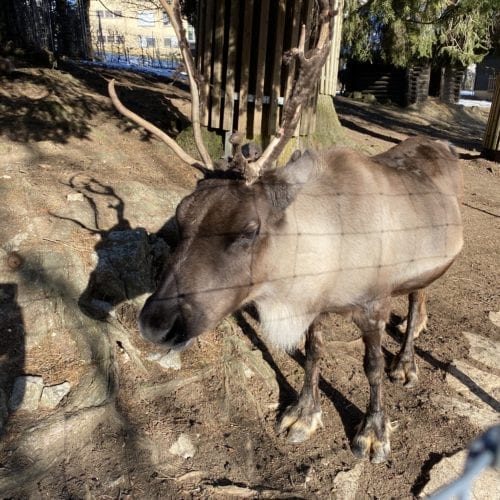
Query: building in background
486	73
134	31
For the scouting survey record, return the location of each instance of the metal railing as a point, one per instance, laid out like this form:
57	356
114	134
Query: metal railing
484	452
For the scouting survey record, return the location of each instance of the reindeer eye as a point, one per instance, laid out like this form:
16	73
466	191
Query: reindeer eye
247	236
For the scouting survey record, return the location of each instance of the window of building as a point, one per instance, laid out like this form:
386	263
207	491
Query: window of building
146	19
120	39
101	39
108	13
150	42
166	19
190	34
171	43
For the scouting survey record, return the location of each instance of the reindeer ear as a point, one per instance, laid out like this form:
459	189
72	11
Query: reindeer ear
282	185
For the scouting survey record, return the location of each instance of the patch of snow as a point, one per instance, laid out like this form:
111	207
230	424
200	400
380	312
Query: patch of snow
167	69
474	102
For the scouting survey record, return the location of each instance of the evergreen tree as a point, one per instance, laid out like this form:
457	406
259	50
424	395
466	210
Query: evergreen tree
401	32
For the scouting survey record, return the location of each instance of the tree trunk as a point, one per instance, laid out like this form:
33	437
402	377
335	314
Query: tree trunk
491	146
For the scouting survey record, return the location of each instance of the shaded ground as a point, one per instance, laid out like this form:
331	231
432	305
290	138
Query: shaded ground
82	194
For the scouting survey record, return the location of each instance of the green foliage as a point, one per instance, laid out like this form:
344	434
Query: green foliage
211	139
401	32
466	34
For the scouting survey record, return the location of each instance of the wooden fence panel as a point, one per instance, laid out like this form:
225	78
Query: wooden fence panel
329	74
245	80
248	17
260	68
229	96
275	70
491	148
218	54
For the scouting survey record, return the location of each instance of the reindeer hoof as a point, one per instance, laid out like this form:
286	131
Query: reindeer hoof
421	327
300	422
372	439
404	372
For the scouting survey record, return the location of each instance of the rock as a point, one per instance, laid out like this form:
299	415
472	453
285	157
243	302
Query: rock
485	487
473	384
171	360
58	437
476	390
156	356
75	197
26	393
484	350
345	483
183	447
481	417
495	317
126	269
52	395
369	98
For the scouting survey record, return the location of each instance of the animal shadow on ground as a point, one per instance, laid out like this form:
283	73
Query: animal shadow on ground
127	258
12	347
394	332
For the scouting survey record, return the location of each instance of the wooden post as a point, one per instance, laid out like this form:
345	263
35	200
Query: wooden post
491	145
329	73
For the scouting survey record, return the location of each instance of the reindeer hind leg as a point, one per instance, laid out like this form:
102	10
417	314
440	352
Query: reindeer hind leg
372	439
404	368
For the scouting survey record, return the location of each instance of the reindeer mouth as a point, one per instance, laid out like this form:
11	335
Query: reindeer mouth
176	338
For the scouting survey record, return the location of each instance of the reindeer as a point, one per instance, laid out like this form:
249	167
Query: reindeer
333	231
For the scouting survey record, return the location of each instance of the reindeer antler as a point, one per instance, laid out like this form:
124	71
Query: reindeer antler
309	69
151	128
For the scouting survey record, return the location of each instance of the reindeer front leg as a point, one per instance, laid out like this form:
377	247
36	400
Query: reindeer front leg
303	418
372	438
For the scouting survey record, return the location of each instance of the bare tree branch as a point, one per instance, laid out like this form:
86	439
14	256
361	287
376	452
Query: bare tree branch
174	13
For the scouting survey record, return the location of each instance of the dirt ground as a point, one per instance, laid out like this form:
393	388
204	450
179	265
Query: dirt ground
58	131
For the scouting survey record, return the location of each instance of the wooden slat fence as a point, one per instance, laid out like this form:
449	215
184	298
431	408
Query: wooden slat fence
328	82
491	148
240	58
